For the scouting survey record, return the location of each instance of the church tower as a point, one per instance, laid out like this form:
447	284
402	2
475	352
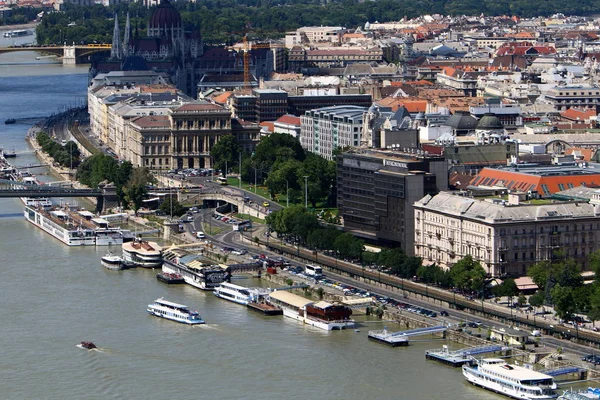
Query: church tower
115	50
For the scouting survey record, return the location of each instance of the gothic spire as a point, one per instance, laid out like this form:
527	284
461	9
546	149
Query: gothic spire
115	50
127	38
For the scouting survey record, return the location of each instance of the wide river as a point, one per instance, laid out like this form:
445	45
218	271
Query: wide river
52	297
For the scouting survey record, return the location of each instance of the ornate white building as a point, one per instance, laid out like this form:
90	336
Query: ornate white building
505	236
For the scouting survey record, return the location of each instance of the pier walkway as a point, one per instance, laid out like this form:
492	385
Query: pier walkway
401	338
457	358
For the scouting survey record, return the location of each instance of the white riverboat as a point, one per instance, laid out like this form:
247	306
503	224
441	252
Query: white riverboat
112	261
195	270
35	201
322	315
175	312
239	294
142	254
73	227
510	380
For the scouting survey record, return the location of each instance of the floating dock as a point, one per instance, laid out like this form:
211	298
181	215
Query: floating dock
459	357
396	339
265	308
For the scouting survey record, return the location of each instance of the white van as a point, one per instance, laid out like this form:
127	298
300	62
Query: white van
200	235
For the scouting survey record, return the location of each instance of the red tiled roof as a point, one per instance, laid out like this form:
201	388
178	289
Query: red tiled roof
152	121
523	181
575	114
270	125
200	107
223	97
289	119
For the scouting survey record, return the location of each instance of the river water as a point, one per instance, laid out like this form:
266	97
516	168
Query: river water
54	296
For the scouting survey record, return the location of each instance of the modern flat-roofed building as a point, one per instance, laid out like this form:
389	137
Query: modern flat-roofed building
325	129
580	96
376	190
505	235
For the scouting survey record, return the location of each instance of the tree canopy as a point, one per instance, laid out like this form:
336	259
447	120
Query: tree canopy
226	153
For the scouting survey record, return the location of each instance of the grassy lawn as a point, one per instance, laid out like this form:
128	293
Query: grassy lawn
214	230
250	217
280	198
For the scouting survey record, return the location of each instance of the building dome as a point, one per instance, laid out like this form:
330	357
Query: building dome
165	15
489	122
461	121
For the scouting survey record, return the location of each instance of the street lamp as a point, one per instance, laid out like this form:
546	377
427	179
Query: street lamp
240	172
254	179
305	191
287	193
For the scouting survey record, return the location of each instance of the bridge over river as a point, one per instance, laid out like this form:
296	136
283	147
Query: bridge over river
71	55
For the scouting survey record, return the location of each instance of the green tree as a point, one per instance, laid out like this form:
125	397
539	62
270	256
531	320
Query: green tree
321	177
171	206
226	151
564	303
467	274
348	246
135	189
537	299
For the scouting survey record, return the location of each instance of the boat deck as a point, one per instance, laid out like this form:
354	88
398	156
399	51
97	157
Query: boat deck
265	308
459	357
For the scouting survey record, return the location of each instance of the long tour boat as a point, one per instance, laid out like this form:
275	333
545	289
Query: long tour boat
239	294
321	314
511	380
74	227
175	312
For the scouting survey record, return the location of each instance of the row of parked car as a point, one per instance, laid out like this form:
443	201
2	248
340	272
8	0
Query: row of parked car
592	358
225	218
191	172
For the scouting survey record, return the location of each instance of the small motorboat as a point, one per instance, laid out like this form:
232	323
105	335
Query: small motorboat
87	345
112	261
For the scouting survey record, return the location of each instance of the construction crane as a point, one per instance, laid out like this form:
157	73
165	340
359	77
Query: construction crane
247	46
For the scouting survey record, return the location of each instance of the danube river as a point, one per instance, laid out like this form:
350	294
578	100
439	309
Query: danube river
54	296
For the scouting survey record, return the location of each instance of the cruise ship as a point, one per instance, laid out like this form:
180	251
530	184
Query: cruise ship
175	312
75	227
35	201
239	294
510	380
195	270
322	315
143	254
17	33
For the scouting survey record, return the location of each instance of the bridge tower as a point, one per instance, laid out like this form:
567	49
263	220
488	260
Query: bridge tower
69	55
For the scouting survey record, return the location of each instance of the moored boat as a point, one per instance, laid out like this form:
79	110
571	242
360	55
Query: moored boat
239	294
73	227
143	254
587	394
321	314
511	380
112	261
170	278
175	312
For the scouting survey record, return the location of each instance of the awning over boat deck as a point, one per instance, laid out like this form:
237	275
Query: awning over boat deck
289	298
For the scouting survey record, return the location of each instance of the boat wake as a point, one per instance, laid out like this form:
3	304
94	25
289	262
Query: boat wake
11	215
210	327
95	349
